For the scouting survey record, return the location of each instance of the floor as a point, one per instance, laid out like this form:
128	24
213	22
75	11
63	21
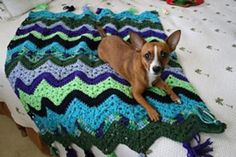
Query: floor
12	144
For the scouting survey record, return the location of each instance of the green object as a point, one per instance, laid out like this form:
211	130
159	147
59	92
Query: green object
113	154
183	132
34	100
133	10
69	22
41	7
54	151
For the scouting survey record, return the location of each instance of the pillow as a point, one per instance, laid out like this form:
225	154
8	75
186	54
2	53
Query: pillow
18	7
4	14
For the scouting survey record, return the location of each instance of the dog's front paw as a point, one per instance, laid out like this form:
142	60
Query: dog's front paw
153	114
175	98
178	101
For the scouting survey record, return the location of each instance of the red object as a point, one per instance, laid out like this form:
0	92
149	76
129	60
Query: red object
185	3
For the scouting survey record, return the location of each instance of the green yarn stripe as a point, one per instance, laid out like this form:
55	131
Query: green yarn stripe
65	37
57	95
87	20
62	35
30	65
174	63
139	141
113	154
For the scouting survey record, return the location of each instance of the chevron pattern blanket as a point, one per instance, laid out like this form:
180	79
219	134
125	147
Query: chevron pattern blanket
73	97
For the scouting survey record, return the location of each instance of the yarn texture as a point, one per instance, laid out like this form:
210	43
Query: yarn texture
74	97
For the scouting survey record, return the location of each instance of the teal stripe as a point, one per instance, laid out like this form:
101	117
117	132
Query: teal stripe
147	15
93	117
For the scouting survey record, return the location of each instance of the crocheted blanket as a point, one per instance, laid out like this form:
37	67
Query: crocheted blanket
74	97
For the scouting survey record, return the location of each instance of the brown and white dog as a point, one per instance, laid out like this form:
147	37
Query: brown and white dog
140	63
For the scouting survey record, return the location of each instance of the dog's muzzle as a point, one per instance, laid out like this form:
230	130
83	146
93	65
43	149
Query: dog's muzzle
156	69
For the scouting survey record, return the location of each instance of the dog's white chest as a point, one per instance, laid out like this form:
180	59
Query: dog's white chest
151	78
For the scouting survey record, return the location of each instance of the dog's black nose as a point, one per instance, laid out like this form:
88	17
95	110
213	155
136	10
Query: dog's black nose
156	69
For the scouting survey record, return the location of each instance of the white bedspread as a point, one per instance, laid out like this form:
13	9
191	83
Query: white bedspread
207	52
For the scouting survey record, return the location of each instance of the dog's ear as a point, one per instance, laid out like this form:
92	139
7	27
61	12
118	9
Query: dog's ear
173	40
136	41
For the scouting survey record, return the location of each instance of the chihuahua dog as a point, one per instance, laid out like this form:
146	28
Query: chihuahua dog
140	63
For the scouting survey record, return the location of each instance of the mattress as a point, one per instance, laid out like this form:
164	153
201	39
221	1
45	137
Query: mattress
206	52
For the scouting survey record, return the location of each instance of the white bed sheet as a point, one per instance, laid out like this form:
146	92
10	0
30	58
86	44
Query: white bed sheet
207	52
8	29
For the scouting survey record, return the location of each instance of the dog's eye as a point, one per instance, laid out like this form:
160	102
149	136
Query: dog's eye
164	54
147	56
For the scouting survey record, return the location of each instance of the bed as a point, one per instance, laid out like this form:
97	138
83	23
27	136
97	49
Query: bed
206	52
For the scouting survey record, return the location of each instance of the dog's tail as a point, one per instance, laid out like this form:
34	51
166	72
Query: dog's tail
101	31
